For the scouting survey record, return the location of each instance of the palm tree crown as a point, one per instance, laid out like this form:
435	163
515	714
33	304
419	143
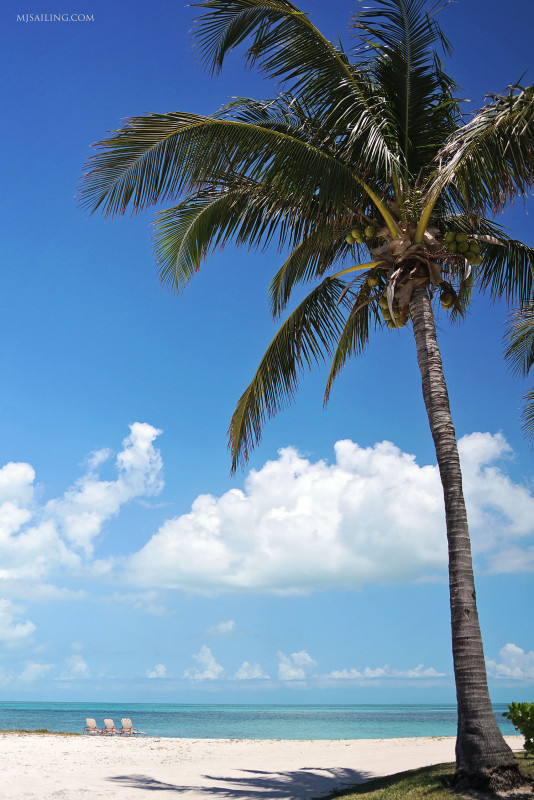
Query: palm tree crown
365	171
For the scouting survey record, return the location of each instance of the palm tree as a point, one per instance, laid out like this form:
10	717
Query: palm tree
362	153
520	354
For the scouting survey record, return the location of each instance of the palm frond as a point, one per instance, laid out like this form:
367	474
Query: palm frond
507	269
490	160
519	341
355	334
527	414
519	338
185	234
154	157
305	338
287	47
420	104
309	260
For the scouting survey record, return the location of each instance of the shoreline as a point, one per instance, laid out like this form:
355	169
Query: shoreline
49	766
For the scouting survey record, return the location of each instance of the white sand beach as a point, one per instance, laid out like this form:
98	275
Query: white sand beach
49	767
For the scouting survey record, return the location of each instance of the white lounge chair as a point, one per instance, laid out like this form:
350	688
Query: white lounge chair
129	730
91	727
109	729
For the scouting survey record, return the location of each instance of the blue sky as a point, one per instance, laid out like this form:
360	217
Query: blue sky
132	566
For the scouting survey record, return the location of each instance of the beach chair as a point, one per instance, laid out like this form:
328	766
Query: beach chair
129	730
109	728
91	727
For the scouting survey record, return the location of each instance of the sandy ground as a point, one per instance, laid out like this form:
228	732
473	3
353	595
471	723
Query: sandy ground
46	767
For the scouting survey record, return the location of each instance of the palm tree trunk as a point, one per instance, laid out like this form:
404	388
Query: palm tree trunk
483	759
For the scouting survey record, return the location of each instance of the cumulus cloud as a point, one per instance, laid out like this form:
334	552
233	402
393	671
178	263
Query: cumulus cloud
373	516
146	602
208	669
37	539
12	631
249	672
77	669
91	501
33	672
16	483
296	667
159	671
514	664
222	629
384	672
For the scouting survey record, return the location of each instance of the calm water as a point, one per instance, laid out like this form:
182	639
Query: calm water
247	721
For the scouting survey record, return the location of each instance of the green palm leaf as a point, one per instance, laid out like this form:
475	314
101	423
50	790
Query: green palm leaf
156	156
520	338
527	414
288	47
491	159
310	259
420	105
520	355
306	337
355	334
508	269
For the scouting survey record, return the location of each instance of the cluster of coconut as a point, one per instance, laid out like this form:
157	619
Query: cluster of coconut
398	319
358	235
462	244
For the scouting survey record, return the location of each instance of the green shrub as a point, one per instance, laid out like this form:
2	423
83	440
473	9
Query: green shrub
522	716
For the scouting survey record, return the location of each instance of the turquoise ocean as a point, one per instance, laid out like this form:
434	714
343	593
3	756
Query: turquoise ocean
247	721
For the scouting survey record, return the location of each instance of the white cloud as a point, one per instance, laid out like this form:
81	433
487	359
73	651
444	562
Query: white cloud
222	629
514	663
12	632
33	672
296	667
141	601
77	669
373	516
91	501
16	483
208	669
36	540
159	671
384	672
248	672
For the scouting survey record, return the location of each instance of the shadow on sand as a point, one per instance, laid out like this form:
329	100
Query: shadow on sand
302	784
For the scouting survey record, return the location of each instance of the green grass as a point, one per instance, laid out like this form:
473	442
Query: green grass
429	783
39	730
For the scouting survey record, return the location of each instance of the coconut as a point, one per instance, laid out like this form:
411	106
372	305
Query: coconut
370	231
475	259
450	236
474	246
372	281
350	239
386	314
383	303
357	235
463	247
452	247
392	324
446	297
462	237
447	306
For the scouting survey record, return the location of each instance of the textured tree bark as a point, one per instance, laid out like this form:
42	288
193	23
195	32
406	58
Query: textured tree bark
484	762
